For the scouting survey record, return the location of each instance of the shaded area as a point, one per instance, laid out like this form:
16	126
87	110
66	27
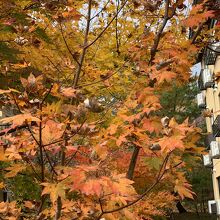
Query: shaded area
192	216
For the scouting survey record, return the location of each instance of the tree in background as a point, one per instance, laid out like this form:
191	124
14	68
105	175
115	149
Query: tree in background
179	102
82	81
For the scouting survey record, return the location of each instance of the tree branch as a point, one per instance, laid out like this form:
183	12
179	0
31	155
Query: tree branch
67	46
160	32
78	71
133	162
196	34
116	29
103	31
106	78
98	13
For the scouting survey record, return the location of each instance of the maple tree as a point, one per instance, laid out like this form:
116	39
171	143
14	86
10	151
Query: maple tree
81	84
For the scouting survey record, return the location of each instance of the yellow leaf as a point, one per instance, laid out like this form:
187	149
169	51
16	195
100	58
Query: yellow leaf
101	150
54	190
14	170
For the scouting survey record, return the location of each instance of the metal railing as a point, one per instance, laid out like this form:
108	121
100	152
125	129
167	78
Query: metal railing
209	56
216	127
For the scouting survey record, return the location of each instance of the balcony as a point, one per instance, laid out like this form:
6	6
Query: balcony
215	149
208	139
207	160
205	79
211	52
216	127
201	100
209	57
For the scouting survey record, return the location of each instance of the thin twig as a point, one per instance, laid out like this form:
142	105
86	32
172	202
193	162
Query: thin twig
98	13
66	138
103	31
67	46
196	34
49	161
104	79
82	57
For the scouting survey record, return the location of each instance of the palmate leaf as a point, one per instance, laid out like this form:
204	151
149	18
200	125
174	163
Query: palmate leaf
14	170
184	190
54	190
19	119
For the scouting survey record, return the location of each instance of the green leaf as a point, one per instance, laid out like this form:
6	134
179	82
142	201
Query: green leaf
154	162
42	34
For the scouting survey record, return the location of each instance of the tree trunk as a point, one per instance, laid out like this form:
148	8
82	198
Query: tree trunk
180	207
133	162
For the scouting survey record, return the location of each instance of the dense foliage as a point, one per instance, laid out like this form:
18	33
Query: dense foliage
86	136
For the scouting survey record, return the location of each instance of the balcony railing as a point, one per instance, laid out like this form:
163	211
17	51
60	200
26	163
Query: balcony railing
211	52
196	2
216	127
209	57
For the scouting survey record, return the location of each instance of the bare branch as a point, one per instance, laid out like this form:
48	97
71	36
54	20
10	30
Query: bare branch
67	46
103	31
98	13
78	71
159	34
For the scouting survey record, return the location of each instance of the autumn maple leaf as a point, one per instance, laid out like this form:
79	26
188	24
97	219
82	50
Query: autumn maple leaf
54	190
20	119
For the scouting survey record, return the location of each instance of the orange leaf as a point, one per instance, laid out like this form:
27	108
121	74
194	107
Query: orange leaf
18	120
68	92
184	190
171	143
29	204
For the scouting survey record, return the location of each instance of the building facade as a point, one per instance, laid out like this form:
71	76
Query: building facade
209	100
